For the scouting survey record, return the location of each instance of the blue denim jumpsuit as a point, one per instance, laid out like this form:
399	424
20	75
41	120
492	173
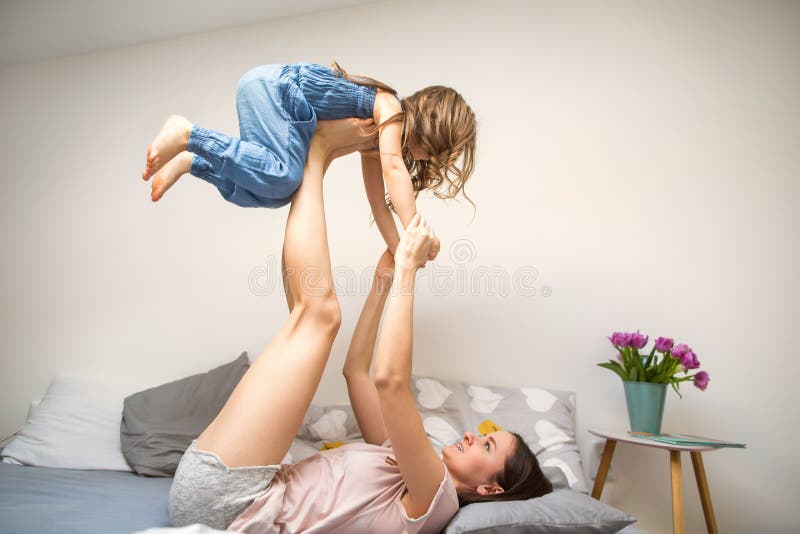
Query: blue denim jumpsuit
278	107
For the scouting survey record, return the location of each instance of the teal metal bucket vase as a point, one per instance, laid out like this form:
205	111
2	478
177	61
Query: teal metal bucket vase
645	405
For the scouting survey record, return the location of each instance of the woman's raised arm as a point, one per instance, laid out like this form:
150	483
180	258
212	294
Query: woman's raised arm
360	388
419	464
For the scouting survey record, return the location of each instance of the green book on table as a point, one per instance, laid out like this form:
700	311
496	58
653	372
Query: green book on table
686	439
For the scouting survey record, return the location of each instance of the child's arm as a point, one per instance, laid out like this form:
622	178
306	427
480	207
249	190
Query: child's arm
419	464
376	194
360	388
395	173
393	168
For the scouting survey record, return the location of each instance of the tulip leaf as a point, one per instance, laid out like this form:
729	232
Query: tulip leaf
617	368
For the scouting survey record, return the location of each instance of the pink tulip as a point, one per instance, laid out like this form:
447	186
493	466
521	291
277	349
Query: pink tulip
663	344
638	340
620	339
689	360
701	380
678	351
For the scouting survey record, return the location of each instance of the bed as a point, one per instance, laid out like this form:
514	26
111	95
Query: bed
43	499
95	458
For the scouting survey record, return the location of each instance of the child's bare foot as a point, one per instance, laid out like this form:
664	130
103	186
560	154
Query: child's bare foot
169	142
169	174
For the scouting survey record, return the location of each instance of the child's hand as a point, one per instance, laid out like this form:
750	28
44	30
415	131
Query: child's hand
415	244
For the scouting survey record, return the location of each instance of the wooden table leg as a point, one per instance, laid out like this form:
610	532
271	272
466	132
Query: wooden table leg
705	496
602	471
677	492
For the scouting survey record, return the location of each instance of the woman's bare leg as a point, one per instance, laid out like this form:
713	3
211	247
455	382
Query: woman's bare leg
263	414
345	132
285	275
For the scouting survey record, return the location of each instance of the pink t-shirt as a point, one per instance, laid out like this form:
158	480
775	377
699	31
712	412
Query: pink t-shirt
348	489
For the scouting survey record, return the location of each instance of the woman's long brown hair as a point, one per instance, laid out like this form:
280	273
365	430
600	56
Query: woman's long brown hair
438	120
521	478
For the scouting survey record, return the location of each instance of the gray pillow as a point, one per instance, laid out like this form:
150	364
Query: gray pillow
560	512
543	417
159	424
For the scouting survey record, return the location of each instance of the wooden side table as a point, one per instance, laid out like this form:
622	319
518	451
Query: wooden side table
613	436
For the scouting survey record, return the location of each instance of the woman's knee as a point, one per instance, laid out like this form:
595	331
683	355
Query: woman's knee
327	311
323	310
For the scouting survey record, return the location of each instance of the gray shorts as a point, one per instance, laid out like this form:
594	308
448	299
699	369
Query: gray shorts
207	491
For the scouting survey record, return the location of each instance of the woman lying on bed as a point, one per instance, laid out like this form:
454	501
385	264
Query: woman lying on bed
230	476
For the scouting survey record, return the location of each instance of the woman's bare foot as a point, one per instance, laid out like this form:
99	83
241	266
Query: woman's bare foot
169	142
169	174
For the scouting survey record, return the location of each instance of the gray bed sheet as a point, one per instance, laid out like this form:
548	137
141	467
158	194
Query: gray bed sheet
43	500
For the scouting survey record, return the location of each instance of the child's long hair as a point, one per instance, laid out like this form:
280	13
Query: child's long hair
438	120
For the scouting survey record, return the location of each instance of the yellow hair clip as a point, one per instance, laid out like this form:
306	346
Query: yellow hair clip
488	426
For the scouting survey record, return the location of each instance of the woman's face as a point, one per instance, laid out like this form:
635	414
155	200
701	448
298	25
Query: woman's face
475	461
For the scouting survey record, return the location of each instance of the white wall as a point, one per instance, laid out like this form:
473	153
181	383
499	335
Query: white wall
642	157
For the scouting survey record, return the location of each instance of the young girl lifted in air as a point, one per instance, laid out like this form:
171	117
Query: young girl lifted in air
424	141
